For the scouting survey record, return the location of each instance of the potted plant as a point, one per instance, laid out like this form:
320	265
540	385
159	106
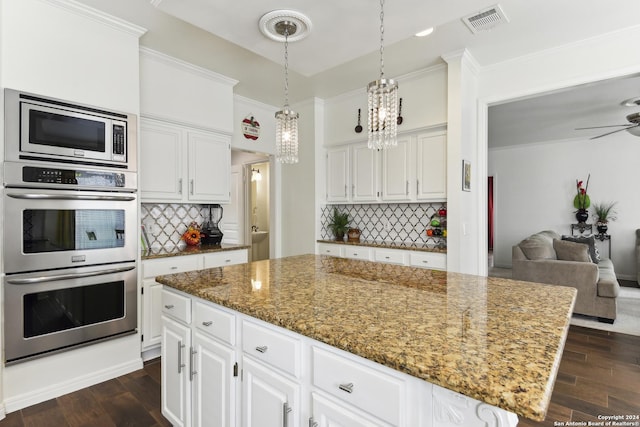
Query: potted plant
581	201
603	214
339	224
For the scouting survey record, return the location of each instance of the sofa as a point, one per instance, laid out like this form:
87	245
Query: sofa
638	256
547	257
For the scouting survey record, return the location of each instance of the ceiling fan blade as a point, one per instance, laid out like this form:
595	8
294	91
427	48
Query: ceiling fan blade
599	127
609	133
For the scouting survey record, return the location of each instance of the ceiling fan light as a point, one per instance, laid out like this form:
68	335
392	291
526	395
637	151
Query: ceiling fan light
634	130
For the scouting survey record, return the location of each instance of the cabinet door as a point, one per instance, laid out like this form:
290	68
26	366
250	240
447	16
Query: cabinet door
214	384
176	387
327	413
161	148
268	398
431	171
338	174
364	174
152	314
397	172
209	167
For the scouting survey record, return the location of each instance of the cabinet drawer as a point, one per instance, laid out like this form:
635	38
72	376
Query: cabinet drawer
215	322
170	265
330	249
219	259
389	255
357	252
429	260
272	347
177	306
359	385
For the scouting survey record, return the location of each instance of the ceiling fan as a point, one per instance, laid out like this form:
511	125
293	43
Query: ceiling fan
633	126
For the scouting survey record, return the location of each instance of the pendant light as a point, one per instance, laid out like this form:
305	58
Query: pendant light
382	103
286	119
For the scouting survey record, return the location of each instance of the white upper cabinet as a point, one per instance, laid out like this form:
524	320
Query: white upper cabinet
353	174
431	166
338	181
180	164
397	170
416	170
364	173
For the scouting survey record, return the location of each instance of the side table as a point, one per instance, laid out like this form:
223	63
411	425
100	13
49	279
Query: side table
581	227
602	237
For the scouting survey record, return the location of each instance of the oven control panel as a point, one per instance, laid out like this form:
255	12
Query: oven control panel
74	177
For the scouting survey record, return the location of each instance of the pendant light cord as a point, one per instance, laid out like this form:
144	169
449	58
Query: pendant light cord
286	67
381	39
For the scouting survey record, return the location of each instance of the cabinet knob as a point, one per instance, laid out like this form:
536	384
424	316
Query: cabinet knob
262	349
346	387
207	323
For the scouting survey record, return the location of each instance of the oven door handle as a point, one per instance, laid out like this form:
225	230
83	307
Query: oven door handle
42	279
34	196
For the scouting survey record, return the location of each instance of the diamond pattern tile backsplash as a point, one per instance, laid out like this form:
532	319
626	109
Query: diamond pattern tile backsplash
165	223
387	222
383	222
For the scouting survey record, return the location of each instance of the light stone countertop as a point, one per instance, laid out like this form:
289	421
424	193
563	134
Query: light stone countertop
496	340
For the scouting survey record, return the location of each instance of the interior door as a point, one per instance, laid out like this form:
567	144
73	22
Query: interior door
233	219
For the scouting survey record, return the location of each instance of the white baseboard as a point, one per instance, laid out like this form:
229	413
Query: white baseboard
18	402
152	353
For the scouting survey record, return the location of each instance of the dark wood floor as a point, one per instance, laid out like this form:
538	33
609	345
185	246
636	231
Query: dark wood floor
599	375
130	400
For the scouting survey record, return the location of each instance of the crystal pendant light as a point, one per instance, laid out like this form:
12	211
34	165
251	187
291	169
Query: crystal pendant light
286	119
382	103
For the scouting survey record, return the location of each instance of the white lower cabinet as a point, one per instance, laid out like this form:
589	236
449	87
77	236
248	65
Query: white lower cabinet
268	397
214	387
198	372
329	413
176	387
431	260
288	379
152	290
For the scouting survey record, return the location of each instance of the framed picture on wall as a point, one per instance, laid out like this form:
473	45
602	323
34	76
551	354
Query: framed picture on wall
466	175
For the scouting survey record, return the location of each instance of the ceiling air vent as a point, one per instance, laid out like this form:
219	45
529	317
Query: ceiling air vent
486	19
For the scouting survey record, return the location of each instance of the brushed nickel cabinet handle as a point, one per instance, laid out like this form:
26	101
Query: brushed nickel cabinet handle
207	323
262	349
180	364
312	422
286	409
180	186
192	364
169	306
346	387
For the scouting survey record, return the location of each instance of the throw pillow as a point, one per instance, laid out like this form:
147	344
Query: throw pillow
588	240
537	247
571	251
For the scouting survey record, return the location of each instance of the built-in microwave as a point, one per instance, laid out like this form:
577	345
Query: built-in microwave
42	128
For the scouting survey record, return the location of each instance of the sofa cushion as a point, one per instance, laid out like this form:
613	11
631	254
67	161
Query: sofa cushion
539	245
607	283
571	251
588	240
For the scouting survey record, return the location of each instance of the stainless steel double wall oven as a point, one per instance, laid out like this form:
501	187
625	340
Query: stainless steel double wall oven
69	225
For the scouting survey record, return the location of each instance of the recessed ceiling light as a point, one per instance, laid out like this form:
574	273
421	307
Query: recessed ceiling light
425	33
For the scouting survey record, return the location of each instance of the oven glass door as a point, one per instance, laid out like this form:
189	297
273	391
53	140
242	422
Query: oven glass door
54	310
46	229
57	131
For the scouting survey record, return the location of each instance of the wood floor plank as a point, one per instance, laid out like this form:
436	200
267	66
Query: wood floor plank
82	409
126	411
47	413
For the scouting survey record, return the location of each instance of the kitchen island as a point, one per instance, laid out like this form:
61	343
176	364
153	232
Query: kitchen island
494	340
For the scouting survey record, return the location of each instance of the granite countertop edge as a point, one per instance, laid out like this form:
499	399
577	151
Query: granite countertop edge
420	247
165	252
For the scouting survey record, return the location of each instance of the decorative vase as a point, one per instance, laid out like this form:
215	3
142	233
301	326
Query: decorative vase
353	235
582	215
602	228
340	236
